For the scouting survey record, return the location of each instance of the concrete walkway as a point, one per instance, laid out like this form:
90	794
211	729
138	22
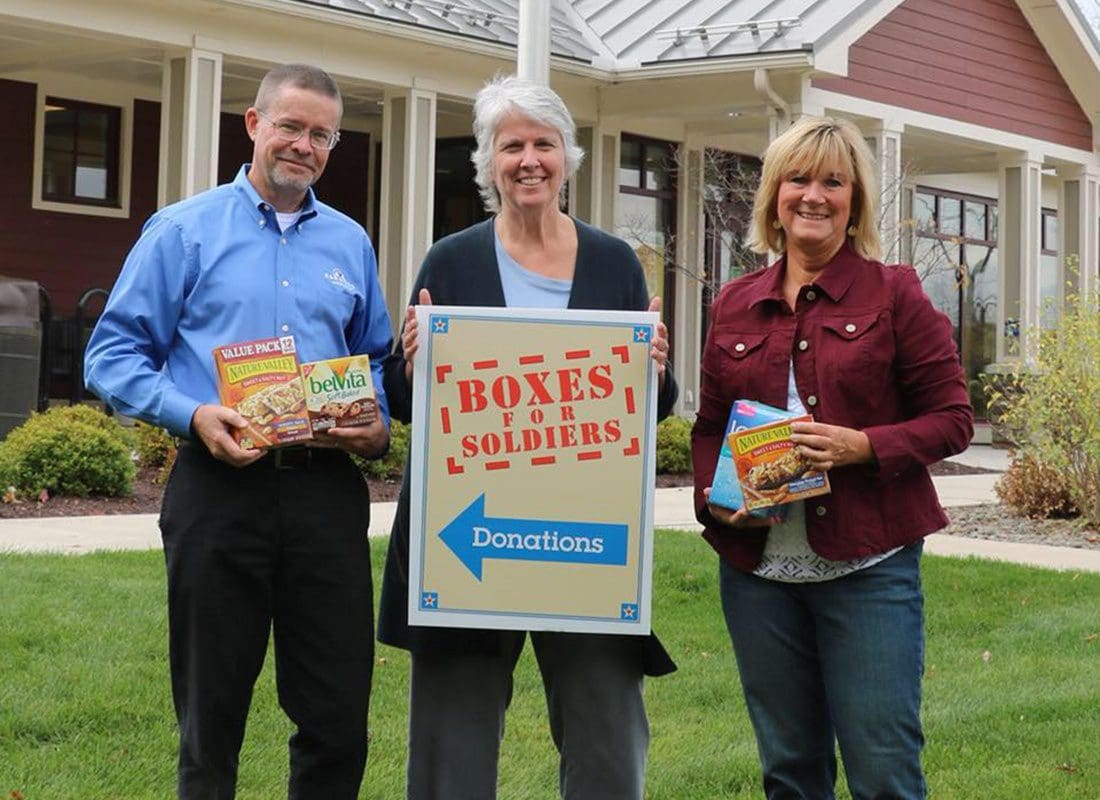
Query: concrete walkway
674	509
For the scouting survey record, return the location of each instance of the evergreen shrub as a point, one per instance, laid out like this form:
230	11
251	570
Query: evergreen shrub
68	450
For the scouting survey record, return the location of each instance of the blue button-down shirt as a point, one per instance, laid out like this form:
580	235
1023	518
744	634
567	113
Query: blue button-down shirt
215	269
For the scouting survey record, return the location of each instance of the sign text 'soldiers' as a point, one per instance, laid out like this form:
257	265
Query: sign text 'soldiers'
536	410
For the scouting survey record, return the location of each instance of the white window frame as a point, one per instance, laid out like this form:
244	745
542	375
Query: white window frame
124	102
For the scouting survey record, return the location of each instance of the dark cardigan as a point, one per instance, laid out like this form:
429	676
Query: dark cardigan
461	270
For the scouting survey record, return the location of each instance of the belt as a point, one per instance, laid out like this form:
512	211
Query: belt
295	457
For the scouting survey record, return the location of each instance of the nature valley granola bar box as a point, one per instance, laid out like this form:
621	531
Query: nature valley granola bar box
770	468
725	488
339	392
261	380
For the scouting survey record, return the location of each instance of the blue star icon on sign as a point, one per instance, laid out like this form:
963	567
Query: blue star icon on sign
642	333
629	611
429	600
440	324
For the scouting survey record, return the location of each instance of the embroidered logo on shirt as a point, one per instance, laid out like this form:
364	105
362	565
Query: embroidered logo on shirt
336	277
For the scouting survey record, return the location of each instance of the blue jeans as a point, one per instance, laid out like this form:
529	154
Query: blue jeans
833	663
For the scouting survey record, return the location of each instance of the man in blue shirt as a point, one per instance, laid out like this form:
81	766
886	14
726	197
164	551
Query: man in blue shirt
257	541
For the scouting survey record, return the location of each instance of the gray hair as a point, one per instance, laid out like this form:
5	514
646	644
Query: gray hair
506	95
299	76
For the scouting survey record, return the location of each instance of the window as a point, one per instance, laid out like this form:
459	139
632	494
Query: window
1050	271
80	153
646	216
955	254
730	182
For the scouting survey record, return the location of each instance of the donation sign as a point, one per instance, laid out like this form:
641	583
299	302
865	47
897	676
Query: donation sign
532	469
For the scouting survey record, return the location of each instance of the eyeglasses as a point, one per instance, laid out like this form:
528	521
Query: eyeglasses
292	132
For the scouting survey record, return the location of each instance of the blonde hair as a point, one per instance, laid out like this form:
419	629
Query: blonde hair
810	146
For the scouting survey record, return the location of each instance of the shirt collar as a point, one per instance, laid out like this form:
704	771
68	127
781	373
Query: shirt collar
243	184
834	280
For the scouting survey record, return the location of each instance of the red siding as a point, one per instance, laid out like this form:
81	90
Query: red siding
976	62
67	253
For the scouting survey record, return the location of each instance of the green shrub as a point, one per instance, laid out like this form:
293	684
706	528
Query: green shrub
1053	409
155	447
68	450
1033	489
674	445
391	465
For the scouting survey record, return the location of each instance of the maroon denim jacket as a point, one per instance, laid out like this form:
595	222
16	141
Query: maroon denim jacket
870	352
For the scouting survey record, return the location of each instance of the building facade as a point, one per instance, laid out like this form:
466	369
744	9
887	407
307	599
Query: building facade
982	117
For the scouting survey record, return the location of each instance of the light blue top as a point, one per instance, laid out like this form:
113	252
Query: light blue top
526	289
214	270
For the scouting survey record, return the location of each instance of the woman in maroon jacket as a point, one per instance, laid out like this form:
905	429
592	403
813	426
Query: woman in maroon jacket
825	608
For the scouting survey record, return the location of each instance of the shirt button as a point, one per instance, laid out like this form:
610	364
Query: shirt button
821	511
811	400
739	347
803	345
850	328
811	295
262	222
282	240
286	283
286	328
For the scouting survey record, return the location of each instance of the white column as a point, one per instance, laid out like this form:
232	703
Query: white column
190	116
533	47
1019	243
885	143
1078	223
596	182
408	192
690	252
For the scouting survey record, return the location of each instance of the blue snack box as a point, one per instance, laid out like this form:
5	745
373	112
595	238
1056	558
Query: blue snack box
725	489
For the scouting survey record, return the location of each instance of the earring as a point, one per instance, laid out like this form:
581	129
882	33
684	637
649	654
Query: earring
852	230
777	224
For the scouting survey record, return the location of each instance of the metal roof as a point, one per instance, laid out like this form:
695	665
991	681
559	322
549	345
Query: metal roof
626	34
494	21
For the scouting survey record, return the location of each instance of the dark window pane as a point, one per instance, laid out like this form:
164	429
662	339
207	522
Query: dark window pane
57	175
630	163
658	166
81	152
93	133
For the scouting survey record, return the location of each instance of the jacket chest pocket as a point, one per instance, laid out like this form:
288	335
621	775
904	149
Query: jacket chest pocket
857	353
733	358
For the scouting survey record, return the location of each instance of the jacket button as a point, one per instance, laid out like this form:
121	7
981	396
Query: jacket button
811	295
850	328
821	511
811	400
803	345
739	347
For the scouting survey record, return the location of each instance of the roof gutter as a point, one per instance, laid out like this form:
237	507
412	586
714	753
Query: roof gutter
763	85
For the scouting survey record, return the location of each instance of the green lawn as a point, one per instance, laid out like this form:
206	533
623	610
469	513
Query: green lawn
85	710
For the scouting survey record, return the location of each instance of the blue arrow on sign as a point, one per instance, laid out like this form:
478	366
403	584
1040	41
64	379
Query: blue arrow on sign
474	537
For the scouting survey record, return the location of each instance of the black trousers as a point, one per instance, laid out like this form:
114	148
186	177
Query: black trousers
280	546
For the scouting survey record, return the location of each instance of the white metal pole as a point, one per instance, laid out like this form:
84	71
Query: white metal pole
533	47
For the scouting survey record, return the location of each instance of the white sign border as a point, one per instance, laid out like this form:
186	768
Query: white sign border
500	620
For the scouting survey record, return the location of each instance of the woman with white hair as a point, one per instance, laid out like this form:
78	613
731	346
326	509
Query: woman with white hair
529	254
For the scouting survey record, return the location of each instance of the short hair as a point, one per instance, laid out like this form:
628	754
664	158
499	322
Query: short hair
810	145
505	95
299	76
